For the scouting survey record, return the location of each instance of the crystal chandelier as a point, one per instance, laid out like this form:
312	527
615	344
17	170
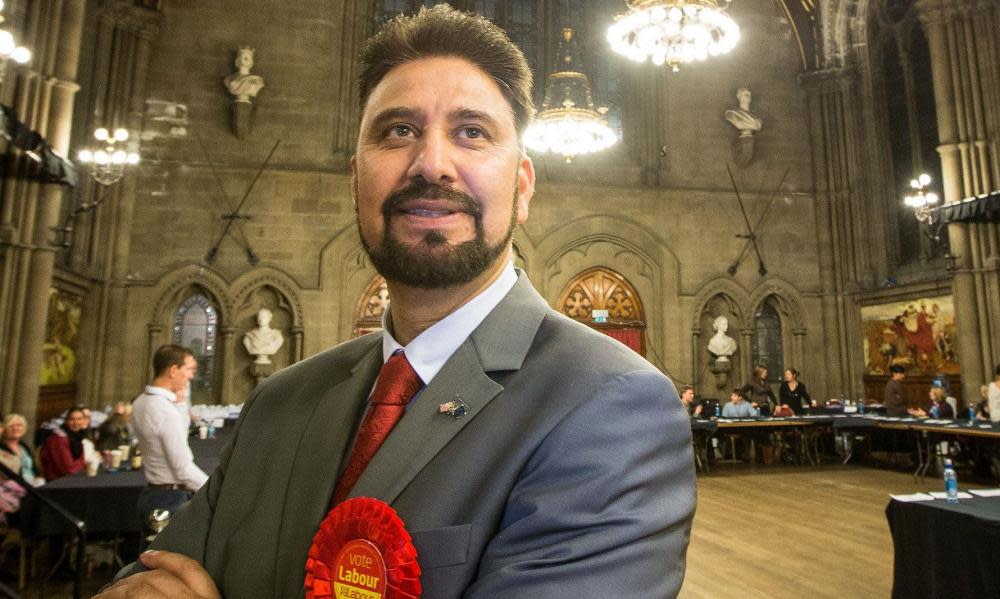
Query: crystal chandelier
108	161
673	31
920	200
568	123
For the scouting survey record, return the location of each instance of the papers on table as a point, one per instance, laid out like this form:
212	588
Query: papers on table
985	426
913	497
937	421
985	492
943	495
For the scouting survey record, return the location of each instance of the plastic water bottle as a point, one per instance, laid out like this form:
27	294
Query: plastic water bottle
972	413
934	411
861	407
950	482
718	410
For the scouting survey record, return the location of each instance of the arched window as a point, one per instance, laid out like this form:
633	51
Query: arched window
196	324
766	347
371	306
602	289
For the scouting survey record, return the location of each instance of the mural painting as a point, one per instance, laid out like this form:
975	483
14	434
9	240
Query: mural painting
917	334
61	330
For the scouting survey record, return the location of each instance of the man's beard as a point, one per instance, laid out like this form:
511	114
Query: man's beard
433	263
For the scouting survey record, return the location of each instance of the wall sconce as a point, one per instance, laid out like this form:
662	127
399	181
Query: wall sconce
108	160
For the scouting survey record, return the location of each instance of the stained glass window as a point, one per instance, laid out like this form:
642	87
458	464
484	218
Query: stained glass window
767	350
196	324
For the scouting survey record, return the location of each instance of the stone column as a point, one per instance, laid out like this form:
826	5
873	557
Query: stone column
963	36
226	349
60	50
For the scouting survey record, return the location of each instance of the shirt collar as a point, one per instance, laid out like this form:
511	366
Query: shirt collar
167	393
429	351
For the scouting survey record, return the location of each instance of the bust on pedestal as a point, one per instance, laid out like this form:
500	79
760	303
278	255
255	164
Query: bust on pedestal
262	343
244	87
721	346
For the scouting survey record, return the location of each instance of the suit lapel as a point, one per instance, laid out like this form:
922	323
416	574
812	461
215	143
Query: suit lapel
499	343
327	436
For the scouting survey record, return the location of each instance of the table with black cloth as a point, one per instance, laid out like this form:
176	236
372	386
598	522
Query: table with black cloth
945	550
106	502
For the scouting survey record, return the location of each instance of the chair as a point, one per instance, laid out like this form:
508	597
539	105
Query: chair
15	538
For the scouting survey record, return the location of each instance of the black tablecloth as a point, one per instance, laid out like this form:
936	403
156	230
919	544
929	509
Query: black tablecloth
945	550
106	502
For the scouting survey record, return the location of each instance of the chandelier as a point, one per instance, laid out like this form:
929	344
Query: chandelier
920	200
568	123
673	31
108	160
9	50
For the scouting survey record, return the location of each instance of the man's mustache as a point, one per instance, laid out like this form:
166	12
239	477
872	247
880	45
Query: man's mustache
425	190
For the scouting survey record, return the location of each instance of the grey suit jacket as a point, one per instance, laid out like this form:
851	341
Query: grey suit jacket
570	476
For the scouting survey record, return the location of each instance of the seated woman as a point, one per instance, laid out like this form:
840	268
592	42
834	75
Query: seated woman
792	394
940	408
62	453
14	452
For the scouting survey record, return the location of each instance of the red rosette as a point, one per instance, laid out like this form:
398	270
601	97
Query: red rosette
363	526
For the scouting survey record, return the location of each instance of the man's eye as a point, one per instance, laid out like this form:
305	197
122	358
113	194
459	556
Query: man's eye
400	131
472	132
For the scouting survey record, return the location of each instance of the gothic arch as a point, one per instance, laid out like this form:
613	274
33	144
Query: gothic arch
601	287
173	284
843	31
268	276
737	297
788	301
371	305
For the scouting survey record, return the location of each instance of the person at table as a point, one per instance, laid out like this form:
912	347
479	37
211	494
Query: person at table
760	393
939	406
738	407
793	394
892	396
116	430
694	406
14	452
540	458
993	395
63	452
983	407
172	477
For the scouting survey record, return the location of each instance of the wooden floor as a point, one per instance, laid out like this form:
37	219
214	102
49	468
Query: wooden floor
794	532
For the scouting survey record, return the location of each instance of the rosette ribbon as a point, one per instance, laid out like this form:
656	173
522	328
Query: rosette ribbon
362	551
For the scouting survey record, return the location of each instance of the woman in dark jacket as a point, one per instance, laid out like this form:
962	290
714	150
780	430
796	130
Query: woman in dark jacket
792	393
760	394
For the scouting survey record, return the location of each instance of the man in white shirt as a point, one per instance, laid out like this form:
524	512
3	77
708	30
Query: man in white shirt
168	463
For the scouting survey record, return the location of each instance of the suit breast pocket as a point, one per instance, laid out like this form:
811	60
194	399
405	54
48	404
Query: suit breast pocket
440	547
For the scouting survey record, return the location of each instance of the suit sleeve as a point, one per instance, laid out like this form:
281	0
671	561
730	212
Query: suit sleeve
604	506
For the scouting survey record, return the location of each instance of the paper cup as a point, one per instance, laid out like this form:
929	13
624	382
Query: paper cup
92	467
203	432
124	449
116	459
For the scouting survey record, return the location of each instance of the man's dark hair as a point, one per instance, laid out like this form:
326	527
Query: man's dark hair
897	369
444	31
169	355
686	388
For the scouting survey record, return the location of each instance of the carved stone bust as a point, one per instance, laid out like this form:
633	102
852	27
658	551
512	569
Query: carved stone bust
242	84
742	118
721	345
263	341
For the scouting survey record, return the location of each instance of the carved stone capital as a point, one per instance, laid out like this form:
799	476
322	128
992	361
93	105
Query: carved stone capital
841	79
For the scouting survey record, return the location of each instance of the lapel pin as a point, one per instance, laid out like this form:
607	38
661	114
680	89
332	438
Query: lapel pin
455	409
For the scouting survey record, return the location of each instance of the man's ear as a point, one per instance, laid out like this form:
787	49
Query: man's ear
525	187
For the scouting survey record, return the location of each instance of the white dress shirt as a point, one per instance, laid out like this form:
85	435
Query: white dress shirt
163	439
429	351
993	401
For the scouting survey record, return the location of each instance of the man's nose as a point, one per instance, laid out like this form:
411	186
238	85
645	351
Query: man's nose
434	159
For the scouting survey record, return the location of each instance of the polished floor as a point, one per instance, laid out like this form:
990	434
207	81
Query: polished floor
776	532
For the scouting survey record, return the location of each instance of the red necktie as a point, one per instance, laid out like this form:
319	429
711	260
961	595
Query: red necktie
396	385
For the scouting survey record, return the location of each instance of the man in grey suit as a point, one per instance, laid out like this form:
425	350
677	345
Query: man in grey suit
570	473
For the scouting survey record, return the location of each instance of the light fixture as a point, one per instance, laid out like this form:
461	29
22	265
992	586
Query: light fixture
9	50
108	160
673	32
921	200
568	123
